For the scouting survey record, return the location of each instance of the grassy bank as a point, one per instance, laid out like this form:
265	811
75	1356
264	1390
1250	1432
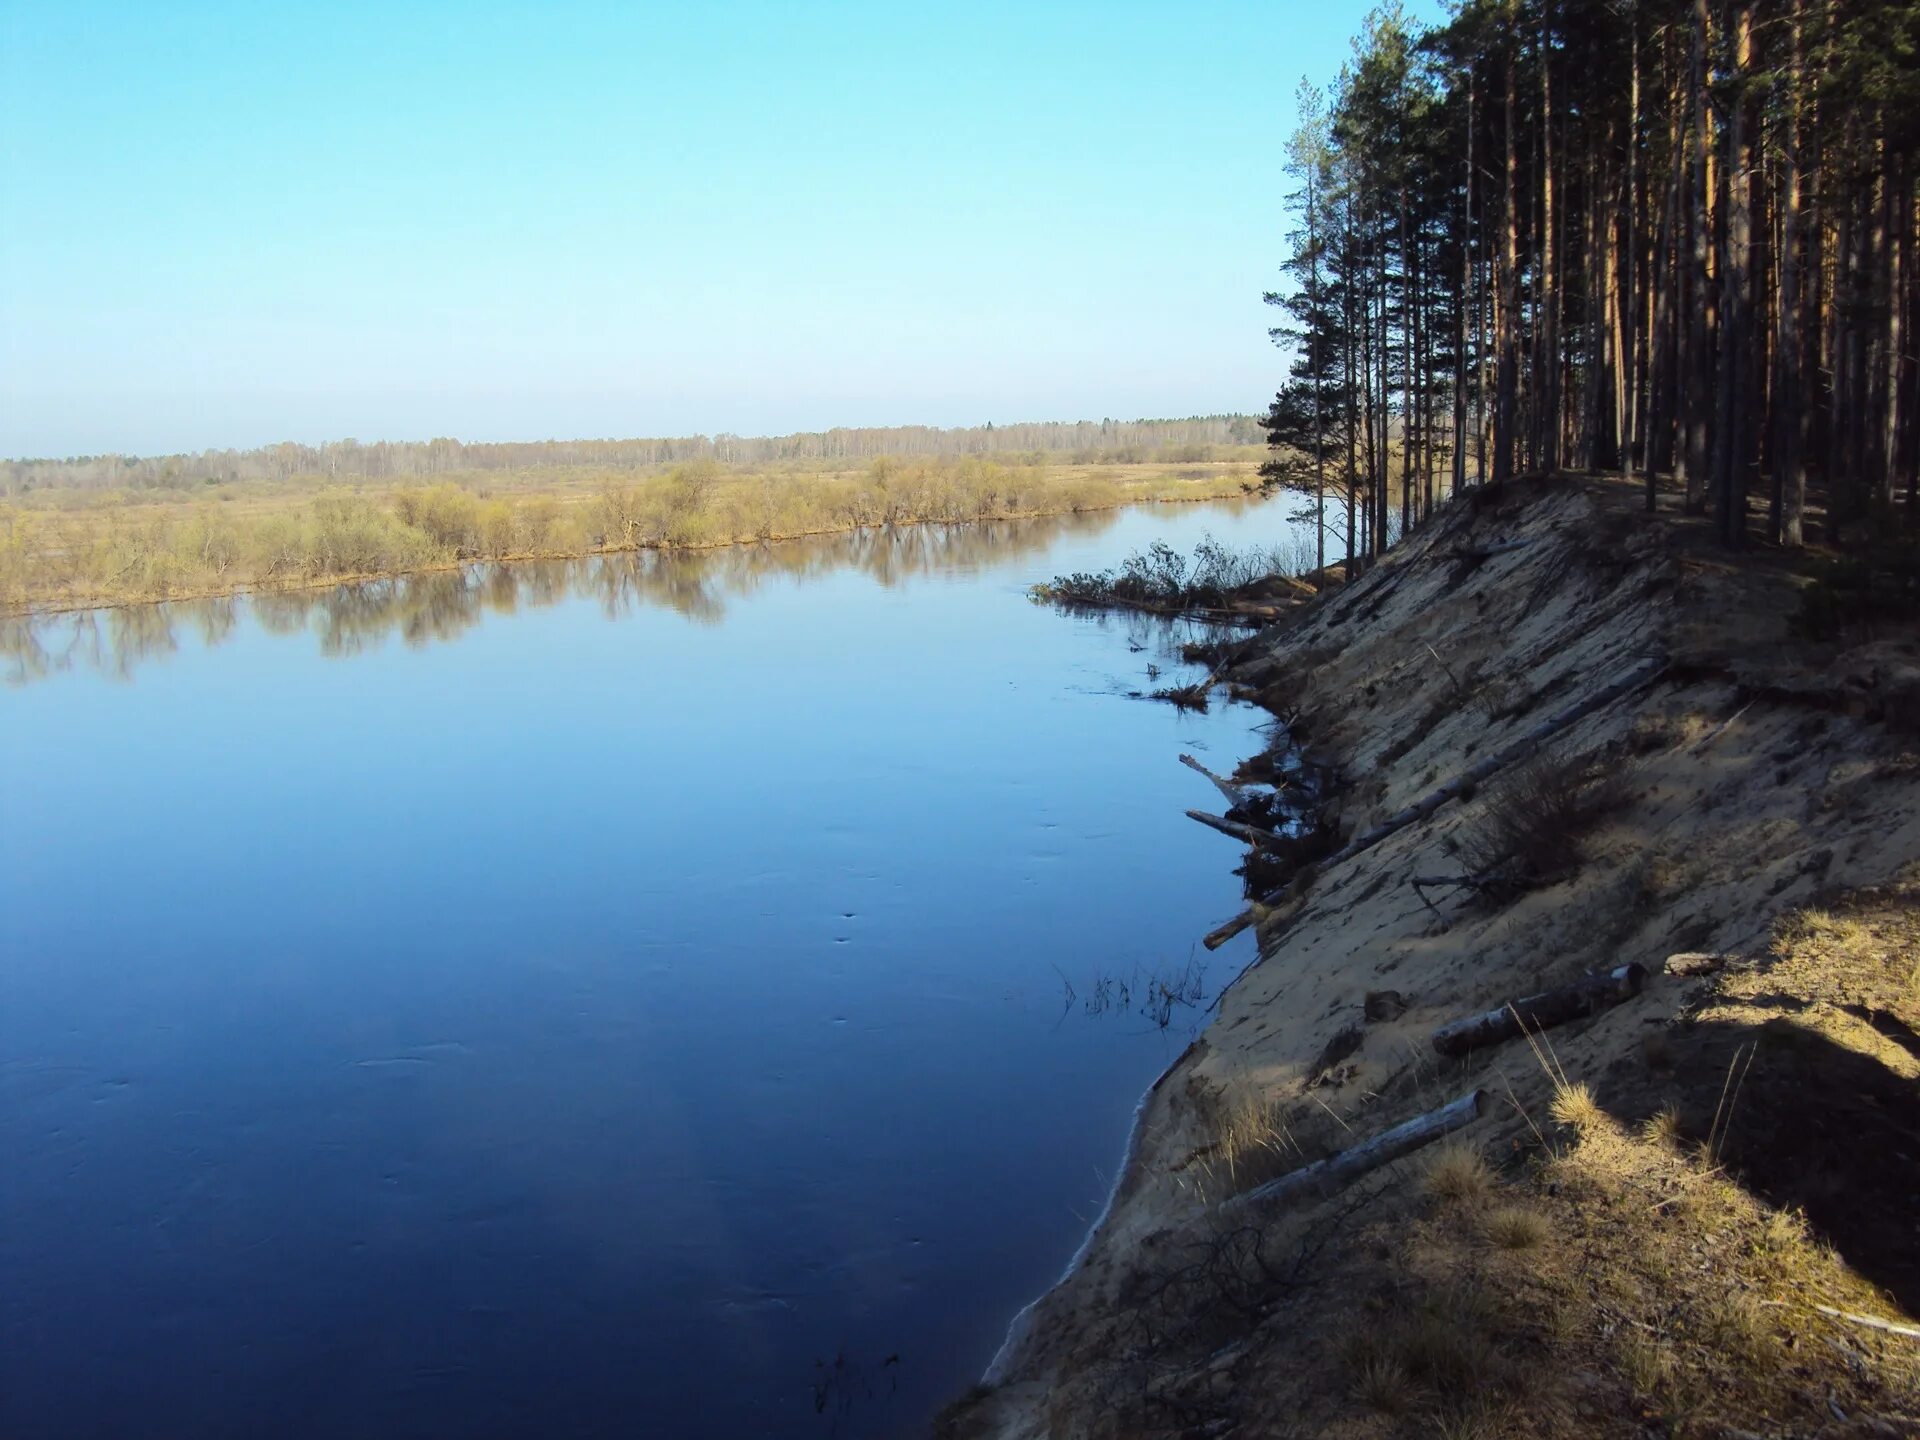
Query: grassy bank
61	549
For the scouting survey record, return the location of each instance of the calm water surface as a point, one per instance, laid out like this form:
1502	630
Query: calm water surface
621	997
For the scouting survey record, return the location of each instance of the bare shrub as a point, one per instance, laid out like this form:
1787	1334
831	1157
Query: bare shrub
1537	819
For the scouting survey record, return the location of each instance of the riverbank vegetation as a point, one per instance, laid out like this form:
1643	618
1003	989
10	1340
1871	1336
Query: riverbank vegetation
1162	580
431	606
1670	238
67	540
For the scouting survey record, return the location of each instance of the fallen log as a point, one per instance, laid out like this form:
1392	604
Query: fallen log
1237	797
1248	834
1336	1172
1468	781
1586	996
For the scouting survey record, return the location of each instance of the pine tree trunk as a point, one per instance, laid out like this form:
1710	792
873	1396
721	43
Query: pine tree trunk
1789	418
1626	262
1548	420
1462	357
1736	285
1696	399
1508	286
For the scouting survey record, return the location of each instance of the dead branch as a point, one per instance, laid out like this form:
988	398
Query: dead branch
1912	1332
1247	834
1484	881
1585	996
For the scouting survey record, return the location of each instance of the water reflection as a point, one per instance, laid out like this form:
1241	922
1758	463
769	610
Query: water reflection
560	1051
441	605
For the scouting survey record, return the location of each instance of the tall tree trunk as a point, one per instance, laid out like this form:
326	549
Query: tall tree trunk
1736	288
1697	396
1548	420
1347	367
1409	351
1665	391
1789	413
1314	367
1626	344
1899	213
1509	268
1462	358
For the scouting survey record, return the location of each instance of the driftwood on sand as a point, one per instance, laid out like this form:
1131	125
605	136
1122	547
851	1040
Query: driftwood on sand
1466	782
1585	996
1324	1177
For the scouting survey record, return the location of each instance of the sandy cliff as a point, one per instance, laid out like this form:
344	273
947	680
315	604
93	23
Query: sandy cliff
1635	1255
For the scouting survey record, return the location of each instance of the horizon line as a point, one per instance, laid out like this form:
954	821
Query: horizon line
693	436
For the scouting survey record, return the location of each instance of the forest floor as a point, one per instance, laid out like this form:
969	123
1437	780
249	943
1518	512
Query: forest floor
1674	1217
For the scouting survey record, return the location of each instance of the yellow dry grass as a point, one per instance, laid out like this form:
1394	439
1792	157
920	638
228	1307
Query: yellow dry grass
63	549
1459	1174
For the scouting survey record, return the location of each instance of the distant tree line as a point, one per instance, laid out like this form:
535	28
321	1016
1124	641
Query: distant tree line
1669	237
348	460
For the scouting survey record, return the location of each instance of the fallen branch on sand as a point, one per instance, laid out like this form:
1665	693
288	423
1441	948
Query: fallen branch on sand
1586	996
1465	783
1338	1171
1486	880
1247	834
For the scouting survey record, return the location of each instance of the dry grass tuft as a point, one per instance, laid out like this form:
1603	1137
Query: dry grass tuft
1822	929
1785	1233
1480	1420
1737	1326
1513	1227
1252	1133
1447	1343
1383	1384
1574	1107
1255	1138
1645	1362
1662	1128
1459	1174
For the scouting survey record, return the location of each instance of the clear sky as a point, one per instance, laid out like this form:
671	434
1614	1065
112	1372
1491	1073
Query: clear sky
236	224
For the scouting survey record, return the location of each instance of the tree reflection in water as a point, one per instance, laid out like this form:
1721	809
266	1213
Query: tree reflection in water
441	605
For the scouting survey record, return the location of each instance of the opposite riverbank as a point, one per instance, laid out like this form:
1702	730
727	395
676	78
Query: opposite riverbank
1599	743
75	549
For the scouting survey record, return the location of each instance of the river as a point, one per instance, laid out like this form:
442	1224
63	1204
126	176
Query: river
615	997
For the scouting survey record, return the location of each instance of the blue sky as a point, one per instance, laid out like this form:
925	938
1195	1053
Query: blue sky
235	224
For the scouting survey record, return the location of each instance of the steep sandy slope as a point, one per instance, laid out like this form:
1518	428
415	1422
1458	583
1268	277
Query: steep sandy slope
1757	776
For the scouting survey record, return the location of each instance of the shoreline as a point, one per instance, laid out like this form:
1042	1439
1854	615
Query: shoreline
33	610
1674	868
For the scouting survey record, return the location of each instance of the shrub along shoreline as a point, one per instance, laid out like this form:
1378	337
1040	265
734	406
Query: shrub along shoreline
110	549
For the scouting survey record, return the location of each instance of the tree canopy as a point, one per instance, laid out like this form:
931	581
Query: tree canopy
1669	237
